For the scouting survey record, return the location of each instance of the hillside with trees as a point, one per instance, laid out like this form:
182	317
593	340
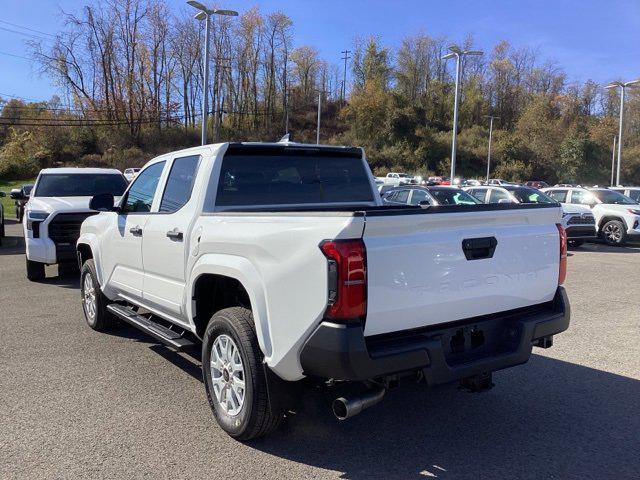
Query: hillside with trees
130	76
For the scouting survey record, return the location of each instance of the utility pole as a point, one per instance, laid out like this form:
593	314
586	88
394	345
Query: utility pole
205	14
491	118
457	54
318	125
287	99
613	160
622	86
344	79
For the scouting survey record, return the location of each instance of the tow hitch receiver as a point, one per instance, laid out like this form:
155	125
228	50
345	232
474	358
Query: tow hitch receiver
477	383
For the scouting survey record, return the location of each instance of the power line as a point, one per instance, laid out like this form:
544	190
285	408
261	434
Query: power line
33	35
27	28
14	55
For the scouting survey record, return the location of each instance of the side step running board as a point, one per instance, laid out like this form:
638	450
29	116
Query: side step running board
159	332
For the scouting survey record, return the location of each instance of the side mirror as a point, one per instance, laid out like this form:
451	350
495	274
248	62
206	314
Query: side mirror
102	202
17	194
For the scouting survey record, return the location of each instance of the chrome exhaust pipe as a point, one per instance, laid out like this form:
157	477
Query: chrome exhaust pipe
347	407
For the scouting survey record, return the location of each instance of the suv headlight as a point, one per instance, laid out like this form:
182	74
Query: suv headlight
634	211
35	216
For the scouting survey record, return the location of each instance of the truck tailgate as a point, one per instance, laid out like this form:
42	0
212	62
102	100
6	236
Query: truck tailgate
419	275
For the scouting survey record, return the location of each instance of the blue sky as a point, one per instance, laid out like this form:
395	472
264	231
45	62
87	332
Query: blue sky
589	39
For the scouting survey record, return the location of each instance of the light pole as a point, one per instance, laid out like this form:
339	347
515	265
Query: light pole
205	14
457	54
613	160
319	110
491	118
622	86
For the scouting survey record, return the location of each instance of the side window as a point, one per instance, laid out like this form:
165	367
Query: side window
479	193
582	197
402	196
558	195
419	196
497	195
177	192
635	195
140	195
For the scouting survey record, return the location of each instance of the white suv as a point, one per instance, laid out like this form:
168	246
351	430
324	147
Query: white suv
577	220
617	216
632	192
58	205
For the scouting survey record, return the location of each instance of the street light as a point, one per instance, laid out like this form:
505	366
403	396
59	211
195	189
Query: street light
205	14
320	93
622	86
491	118
457	54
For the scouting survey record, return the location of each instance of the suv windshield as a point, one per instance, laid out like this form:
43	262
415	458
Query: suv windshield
611	197
80	184
446	196
530	195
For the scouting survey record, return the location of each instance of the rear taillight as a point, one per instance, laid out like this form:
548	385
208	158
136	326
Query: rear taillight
347	286
562	274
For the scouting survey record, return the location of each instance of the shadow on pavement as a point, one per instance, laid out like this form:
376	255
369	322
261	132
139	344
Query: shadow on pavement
548	419
602	247
12	245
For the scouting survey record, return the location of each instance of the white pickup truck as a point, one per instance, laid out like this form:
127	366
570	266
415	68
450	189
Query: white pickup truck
280	262
55	209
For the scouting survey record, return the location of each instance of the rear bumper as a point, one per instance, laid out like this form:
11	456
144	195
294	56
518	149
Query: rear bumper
341	351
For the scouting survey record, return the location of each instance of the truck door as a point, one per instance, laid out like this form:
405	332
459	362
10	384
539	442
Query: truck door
164	247
122	250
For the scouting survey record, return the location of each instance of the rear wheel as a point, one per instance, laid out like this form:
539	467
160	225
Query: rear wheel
94	303
614	233
234	376
35	270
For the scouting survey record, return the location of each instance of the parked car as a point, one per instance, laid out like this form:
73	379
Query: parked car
536	184
632	192
435	195
21	197
471	183
498	181
259	255
395	179
58	204
130	173
617	216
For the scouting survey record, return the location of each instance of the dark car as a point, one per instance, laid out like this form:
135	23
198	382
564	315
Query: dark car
21	197
536	184
438	195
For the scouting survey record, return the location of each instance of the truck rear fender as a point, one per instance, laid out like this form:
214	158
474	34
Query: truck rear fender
240	269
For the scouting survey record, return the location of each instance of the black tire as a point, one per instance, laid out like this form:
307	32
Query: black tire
614	233
101	320
255	418
35	271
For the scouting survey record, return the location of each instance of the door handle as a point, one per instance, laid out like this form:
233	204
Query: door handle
136	231
175	234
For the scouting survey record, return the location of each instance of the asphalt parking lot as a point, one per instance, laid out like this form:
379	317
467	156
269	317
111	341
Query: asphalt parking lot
78	404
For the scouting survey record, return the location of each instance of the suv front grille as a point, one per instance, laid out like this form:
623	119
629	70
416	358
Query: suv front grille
582	220
65	227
